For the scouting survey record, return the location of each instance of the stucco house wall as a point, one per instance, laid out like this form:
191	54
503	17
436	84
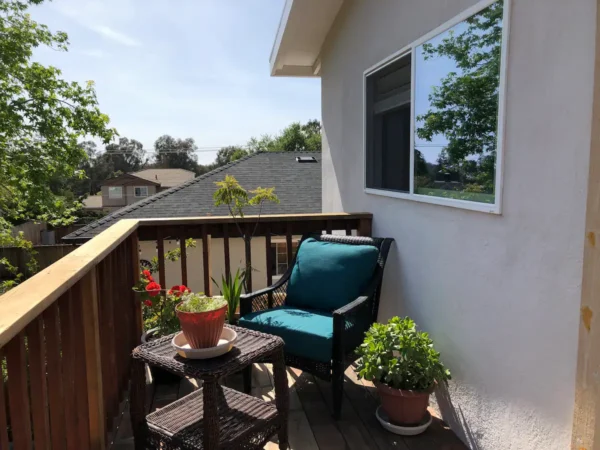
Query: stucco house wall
500	294
128	195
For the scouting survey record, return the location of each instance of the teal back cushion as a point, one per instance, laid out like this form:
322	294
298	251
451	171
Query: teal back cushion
327	275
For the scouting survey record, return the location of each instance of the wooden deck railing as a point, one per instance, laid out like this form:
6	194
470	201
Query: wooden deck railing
66	334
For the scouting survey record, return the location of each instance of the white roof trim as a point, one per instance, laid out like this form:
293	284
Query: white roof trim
302	31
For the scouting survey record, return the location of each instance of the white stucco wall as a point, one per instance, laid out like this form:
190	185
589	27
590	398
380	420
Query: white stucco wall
499	294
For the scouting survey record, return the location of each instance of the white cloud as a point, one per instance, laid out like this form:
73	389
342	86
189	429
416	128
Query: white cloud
116	36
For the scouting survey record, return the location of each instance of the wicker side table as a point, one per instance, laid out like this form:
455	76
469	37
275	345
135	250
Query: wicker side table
215	417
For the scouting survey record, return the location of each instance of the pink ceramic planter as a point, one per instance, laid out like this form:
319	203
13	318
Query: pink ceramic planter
203	329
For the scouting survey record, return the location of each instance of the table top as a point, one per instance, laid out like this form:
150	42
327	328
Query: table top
250	346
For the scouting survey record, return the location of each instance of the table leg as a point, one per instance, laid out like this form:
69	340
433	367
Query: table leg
211	416
282	398
137	403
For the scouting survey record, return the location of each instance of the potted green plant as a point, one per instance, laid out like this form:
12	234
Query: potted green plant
404	366
231	288
201	319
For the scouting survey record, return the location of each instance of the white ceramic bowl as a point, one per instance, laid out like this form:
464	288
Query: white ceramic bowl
228	338
403	431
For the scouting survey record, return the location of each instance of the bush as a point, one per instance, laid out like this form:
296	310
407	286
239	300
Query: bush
398	355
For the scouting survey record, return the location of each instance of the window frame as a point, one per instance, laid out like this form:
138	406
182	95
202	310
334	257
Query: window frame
140	187
113	197
496	207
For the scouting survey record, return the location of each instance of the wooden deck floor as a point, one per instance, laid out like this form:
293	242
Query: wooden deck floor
311	426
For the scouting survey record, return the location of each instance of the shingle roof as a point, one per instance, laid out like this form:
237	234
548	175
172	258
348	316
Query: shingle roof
166	177
298	186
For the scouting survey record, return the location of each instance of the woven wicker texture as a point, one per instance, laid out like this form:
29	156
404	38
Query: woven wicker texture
244	422
349	322
249	347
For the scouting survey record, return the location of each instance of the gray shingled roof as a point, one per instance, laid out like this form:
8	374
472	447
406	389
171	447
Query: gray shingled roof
298	186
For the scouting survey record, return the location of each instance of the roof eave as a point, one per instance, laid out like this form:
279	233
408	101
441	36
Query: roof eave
303	27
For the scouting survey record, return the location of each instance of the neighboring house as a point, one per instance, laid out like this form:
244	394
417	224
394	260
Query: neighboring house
493	271
93	203
132	187
167	178
126	189
296	177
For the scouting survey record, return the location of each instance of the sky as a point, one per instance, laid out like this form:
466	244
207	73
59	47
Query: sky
188	68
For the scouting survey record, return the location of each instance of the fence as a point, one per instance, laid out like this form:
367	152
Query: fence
46	255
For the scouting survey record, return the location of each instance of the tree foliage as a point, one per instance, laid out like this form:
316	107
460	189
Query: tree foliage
230	154
126	155
464	106
43	118
295	137
176	153
237	199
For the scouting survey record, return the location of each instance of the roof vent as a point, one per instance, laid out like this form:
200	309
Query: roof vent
306	159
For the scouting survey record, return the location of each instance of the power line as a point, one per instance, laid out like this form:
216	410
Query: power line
170	152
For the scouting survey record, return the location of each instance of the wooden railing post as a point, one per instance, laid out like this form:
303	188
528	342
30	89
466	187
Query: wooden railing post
206	260
93	363
365	227
135	267
183	257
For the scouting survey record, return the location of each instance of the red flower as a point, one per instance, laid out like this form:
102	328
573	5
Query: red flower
178	290
153	289
148	275
148	303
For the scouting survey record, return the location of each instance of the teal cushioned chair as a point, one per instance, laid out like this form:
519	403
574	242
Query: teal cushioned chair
322	306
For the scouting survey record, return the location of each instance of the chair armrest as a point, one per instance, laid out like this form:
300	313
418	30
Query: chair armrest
258	300
352	307
350	322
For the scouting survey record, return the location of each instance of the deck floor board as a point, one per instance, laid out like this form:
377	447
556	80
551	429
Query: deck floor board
311	426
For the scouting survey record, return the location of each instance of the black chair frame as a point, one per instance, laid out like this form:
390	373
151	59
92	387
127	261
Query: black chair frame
349	322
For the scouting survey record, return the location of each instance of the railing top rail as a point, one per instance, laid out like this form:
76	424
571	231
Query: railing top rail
22	304
252	218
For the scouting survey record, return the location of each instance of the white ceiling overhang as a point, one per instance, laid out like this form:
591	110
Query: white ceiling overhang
302	31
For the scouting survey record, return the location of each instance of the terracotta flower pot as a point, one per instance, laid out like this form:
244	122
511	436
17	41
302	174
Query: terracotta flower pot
202	329
403	407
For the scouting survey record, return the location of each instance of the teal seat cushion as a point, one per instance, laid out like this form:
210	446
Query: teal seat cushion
308	334
328	275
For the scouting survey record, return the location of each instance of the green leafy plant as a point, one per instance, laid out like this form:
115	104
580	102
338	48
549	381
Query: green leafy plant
399	355
231	194
196	303
158	308
231	288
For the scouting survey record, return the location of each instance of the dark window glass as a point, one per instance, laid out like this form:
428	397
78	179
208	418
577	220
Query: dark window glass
388	109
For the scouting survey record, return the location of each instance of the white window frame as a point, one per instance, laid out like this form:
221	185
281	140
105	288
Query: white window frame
496	207
140	187
112	196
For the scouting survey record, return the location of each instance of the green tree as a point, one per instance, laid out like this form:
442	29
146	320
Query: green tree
464	107
43	118
172	153
229	154
126	155
295	137
237	199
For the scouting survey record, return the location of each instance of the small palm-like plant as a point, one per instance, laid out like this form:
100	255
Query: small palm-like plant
231	289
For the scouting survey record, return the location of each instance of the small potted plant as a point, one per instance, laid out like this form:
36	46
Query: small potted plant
201	319
404	366
231	288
